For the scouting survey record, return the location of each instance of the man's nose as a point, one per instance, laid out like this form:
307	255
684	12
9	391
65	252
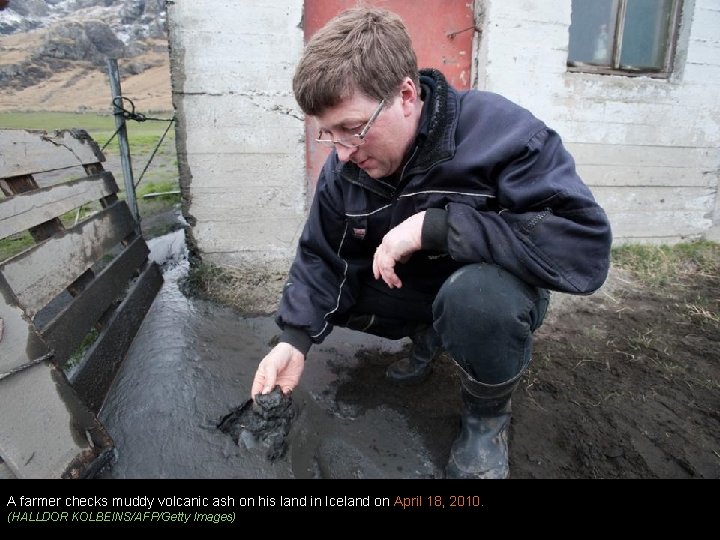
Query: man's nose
344	152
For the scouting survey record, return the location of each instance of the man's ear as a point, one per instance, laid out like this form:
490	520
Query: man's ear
409	94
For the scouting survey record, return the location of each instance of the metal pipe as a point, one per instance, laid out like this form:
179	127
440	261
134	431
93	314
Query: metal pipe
121	127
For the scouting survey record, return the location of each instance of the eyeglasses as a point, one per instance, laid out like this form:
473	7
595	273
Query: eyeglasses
350	141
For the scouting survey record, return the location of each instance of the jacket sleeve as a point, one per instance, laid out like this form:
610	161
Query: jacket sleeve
549	230
317	278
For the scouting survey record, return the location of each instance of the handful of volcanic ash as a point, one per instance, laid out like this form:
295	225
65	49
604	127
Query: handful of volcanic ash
265	421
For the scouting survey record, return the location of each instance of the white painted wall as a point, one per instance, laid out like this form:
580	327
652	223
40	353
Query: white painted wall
240	134
649	148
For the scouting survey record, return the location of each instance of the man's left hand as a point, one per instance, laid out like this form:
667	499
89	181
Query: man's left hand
396	247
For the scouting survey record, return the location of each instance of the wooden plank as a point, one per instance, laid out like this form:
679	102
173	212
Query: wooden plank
67	330
45	430
21	212
94	377
25	184
30	151
20	345
40	273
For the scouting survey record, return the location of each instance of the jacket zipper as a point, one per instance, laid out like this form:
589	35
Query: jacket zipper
396	192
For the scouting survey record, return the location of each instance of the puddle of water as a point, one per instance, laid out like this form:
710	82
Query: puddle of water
192	362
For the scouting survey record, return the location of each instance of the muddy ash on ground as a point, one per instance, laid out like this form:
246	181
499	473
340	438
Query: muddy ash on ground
623	384
264	421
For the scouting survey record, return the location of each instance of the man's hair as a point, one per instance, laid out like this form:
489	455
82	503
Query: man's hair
362	49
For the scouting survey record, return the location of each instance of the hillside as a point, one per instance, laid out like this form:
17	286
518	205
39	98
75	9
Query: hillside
53	55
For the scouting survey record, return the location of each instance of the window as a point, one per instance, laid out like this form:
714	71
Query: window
630	37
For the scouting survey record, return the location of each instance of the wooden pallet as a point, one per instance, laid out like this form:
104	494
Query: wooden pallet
92	278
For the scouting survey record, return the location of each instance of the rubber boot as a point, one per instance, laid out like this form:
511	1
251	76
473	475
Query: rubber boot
417	367
481	449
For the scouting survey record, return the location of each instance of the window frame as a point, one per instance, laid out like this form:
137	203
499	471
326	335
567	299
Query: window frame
662	73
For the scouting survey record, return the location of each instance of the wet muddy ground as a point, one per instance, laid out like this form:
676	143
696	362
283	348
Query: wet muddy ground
623	384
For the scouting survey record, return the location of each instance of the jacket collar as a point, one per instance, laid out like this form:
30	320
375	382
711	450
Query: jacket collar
436	138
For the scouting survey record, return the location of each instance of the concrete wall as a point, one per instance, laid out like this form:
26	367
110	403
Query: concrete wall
239	132
647	147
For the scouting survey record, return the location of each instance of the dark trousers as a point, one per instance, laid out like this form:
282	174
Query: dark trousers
484	318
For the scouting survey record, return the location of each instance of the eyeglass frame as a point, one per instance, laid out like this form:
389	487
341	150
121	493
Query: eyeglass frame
361	135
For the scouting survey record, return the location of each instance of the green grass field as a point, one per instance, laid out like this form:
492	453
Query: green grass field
93	123
143	136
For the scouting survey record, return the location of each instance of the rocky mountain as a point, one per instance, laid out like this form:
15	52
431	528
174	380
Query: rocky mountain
41	39
129	19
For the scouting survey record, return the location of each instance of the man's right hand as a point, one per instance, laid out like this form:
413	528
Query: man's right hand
396	247
283	366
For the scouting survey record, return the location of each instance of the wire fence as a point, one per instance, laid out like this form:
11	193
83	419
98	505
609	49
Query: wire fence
132	114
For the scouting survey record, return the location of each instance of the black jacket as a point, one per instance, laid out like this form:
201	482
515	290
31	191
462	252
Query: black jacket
498	186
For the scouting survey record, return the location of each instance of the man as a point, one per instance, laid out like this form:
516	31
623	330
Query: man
443	216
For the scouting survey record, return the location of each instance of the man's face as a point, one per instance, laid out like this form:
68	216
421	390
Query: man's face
388	138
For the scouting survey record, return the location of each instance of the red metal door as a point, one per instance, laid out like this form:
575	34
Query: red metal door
442	33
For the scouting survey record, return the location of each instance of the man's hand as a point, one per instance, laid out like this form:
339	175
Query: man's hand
283	366
396	247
